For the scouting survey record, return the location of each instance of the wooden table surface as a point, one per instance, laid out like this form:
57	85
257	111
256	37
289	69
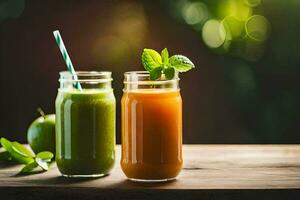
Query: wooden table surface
209	172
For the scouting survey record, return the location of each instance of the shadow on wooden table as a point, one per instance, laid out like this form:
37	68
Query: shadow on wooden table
133	184
60	180
103	182
6	165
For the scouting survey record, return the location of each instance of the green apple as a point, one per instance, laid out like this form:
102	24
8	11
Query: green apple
41	134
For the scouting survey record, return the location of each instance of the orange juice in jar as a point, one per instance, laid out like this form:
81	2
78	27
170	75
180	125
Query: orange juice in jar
151	128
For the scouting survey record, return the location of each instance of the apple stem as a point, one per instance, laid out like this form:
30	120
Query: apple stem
41	112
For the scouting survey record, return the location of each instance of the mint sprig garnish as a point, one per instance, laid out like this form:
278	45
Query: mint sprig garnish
181	63
16	152
165	56
169	72
155	73
151	59
157	64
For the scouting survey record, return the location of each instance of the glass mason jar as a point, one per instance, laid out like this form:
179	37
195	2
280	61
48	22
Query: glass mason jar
151	128
85	124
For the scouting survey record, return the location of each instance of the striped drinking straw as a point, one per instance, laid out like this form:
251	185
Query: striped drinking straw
66	57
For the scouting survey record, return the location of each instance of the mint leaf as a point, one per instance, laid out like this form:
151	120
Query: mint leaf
42	163
5	156
21	149
155	73
181	63
6	144
20	154
151	59
45	155
165	56
156	63
29	167
16	151
43	158
169	73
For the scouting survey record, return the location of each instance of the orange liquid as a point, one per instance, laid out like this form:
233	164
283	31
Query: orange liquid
151	134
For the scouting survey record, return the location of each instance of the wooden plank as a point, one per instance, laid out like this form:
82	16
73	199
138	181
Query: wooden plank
209	171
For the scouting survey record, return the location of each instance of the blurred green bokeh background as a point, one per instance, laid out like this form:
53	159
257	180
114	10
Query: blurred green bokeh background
245	88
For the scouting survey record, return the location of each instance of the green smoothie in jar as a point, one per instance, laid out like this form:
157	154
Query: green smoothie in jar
85	125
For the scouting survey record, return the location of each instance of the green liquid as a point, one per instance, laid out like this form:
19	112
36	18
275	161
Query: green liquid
85	131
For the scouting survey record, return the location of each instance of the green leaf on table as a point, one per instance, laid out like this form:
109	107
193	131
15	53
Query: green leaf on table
181	63
20	158
6	144
17	151
151	59
43	159
155	73
29	167
5	156
20	154
19	148
45	155
165	56
169	72
42	163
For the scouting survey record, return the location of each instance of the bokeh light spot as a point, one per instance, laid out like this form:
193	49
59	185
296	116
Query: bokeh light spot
212	33
235	8
234	28
195	13
252	3
257	27
123	37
